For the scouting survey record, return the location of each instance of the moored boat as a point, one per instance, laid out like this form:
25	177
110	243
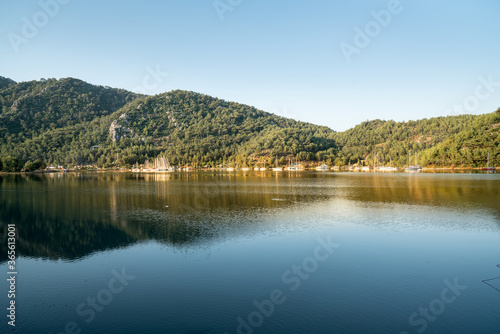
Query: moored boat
322	168
388	169
413	168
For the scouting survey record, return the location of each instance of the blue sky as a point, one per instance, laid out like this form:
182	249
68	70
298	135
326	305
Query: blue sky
427	58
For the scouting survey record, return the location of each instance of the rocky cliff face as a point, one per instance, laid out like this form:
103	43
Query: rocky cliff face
118	128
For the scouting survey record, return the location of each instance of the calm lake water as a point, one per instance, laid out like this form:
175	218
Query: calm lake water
253	252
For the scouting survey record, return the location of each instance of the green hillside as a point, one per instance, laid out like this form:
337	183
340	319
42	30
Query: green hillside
50	119
71	122
35	107
463	140
470	146
199	129
4	82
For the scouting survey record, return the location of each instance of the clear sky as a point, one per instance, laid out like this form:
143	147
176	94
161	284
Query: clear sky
334	63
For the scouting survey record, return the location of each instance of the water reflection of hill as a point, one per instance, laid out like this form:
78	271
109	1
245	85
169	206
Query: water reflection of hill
70	216
62	216
459	190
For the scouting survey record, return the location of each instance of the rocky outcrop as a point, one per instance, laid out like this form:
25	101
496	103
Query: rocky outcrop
118	128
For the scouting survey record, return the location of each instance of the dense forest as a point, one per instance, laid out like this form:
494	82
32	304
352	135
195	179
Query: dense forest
70	122
456	141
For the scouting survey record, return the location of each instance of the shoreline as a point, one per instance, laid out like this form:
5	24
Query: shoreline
332	169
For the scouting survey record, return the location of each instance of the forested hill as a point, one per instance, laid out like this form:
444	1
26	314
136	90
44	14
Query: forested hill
32	108
4	82
71	122
194	128
54	120
449	141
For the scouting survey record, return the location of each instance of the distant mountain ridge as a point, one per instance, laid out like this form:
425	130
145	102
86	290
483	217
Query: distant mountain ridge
71	122
4	82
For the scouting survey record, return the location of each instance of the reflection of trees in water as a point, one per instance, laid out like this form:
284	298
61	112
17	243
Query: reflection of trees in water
62	216
459	191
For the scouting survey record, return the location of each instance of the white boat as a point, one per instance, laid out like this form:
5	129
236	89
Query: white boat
388	169
230	169
294	166
276	168
256	168
263	168
245	169
413	168
322	168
